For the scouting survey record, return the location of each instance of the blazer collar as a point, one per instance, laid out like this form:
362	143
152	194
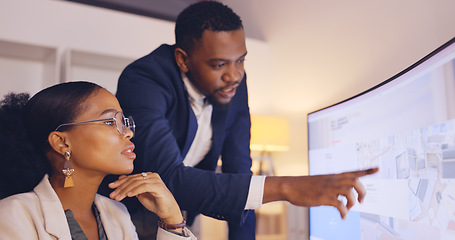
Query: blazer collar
54	216
111	228
192	121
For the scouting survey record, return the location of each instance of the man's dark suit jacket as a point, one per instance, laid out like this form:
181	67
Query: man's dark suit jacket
151	90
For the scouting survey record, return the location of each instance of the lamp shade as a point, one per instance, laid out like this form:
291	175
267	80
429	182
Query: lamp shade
269	133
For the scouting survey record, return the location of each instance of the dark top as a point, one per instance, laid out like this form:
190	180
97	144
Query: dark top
76	230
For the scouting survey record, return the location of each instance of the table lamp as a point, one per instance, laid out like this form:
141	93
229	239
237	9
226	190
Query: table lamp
268	134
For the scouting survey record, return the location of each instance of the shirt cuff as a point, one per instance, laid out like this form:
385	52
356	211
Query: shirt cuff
169	235
255	193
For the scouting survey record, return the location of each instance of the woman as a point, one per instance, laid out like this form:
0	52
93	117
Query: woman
62	143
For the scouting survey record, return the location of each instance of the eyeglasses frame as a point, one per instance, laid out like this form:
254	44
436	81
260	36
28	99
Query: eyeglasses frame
128	120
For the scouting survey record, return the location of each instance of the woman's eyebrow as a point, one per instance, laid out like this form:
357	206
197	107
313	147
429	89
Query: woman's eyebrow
108	111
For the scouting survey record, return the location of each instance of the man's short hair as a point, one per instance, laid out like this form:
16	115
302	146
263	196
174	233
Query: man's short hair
201	16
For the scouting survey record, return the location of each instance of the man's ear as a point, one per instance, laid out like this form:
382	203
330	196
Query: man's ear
182	58
58	141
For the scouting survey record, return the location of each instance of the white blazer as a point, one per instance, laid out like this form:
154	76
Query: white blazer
40	215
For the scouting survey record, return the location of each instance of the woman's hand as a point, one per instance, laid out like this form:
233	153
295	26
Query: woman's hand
151	192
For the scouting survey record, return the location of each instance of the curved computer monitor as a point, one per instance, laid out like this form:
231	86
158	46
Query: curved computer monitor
406	127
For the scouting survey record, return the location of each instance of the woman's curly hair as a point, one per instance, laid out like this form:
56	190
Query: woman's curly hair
21	166
25	125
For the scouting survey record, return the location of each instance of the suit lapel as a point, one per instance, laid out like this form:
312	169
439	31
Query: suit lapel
110	227
192	128
218	132
53	212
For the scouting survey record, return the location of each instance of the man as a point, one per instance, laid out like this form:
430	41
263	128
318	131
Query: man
190	105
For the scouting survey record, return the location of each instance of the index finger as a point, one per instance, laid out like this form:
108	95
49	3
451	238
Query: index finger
119	181
361	173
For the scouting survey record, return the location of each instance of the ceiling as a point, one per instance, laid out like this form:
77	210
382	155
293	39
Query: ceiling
162	9
169	10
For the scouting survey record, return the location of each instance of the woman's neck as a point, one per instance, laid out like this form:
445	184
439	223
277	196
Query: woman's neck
78	198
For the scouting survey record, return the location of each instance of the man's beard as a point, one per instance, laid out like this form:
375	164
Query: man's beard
217	105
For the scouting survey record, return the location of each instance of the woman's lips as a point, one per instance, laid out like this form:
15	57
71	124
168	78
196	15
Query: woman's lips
128	151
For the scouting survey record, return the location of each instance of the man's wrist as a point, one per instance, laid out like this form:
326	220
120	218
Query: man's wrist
275	189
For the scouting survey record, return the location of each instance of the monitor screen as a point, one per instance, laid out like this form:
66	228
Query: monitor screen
406	127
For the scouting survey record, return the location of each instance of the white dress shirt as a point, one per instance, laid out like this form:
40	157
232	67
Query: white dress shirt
203	141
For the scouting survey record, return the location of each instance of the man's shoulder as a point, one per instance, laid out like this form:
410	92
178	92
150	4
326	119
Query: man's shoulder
162	54
164	49
159	64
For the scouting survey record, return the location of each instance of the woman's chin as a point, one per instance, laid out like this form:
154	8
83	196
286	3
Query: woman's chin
125	171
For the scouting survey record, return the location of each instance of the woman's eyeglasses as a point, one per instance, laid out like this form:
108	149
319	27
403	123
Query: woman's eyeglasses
121	122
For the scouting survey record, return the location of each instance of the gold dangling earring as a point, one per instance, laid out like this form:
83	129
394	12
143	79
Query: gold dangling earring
67	171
